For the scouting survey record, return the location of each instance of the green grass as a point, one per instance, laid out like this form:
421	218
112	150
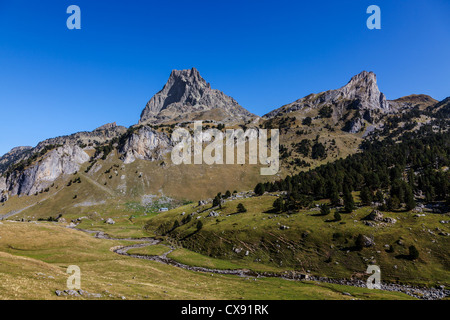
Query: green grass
312	243
196	259
34	259
156	250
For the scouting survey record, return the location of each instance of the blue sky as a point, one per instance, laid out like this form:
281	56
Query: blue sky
55	81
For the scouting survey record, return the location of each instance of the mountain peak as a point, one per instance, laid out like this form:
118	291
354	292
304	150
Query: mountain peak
187	75
186	95
364	76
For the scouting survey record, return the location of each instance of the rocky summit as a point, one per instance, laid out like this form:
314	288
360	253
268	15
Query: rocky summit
357	107
360	99
187	96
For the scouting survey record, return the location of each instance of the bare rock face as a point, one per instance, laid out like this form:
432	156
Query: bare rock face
2	183
358	101
187	96
364	89
63	160
145	144
15	155
3	193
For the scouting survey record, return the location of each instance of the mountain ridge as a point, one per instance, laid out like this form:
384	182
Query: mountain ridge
356	106
185	93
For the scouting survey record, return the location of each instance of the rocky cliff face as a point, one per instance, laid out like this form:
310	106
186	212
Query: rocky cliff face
62	160
186	96
145	144
65	157
16	154
360	94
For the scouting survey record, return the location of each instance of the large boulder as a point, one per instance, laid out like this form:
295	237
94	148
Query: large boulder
110	221
375	215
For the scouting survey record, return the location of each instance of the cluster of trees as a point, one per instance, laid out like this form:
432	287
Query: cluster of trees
389	172
309	148
326	112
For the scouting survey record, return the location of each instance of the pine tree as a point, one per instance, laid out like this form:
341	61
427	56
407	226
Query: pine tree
337	216
410	202
278	205
259	189
241	208
349	203
379	196
366	196
413	253
176	224
325	210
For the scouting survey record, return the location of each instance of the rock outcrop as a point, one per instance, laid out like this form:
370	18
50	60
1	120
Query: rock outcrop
96	137
15	155
358	101
187	96
408	102
145	144
62	160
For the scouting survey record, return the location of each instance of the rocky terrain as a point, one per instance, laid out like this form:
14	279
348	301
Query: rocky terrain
119	183
338	116
187	96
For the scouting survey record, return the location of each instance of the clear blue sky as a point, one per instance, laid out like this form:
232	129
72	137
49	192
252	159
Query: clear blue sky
55	81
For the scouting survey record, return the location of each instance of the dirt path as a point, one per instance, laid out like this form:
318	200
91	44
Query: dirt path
417	292
14	212
95	183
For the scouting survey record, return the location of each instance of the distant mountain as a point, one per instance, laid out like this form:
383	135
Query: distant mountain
422	101
119	164
441	109
14	155
187	96
359	99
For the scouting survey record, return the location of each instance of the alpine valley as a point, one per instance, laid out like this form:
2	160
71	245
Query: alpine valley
363	180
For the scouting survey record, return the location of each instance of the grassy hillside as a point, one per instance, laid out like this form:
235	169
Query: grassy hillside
34	258
312	243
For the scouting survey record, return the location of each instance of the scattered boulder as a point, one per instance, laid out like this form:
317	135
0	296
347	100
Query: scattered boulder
78	293
110	221
369	223
72	293
390	220
237	250
375	215
60	293
213	214
364	241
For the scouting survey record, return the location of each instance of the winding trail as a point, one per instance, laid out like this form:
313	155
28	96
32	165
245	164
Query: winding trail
416	292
